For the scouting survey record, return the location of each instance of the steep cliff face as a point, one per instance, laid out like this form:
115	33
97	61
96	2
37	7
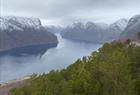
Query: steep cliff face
19	32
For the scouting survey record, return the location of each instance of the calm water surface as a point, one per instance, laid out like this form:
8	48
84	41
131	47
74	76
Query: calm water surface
56	58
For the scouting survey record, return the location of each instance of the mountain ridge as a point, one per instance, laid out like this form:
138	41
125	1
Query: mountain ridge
16	32
95	32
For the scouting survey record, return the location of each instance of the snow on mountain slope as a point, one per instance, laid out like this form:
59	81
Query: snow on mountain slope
119	25
135	20
5	25
95	32
122	23
19	32
133	28
18	23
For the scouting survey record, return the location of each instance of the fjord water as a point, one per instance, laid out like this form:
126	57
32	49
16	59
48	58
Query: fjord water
59	57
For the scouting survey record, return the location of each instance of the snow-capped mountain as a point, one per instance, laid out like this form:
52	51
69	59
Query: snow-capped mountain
95	32
119	25
116	28
18	23
133	28
19	32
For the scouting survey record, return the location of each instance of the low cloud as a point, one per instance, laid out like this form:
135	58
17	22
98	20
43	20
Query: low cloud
68	11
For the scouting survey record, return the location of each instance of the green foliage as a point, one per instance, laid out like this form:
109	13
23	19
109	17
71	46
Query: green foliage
113	70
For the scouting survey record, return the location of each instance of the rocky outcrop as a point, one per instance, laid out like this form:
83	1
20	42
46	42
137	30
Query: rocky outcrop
21	36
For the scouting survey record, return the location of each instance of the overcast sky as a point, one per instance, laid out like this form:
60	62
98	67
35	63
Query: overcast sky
64	12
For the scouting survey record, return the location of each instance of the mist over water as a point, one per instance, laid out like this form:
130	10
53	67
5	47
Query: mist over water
66	53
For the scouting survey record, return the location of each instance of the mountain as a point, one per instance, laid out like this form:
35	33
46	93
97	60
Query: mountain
20	35
120	24
117	28
54	29
132	29
94	32
89	32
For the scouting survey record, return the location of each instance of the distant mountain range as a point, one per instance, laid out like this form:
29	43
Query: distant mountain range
95	32
20	35
101	33
54	29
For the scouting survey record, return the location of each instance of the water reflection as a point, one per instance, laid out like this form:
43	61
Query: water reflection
56	58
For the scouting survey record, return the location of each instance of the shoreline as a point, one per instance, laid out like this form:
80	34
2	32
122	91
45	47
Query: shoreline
16	83
39	49
3	84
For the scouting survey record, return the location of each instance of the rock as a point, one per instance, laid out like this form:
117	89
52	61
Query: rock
23	36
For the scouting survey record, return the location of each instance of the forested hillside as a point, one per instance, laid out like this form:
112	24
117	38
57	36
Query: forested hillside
113	70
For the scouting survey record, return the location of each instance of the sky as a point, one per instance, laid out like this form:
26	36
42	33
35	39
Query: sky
64	12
